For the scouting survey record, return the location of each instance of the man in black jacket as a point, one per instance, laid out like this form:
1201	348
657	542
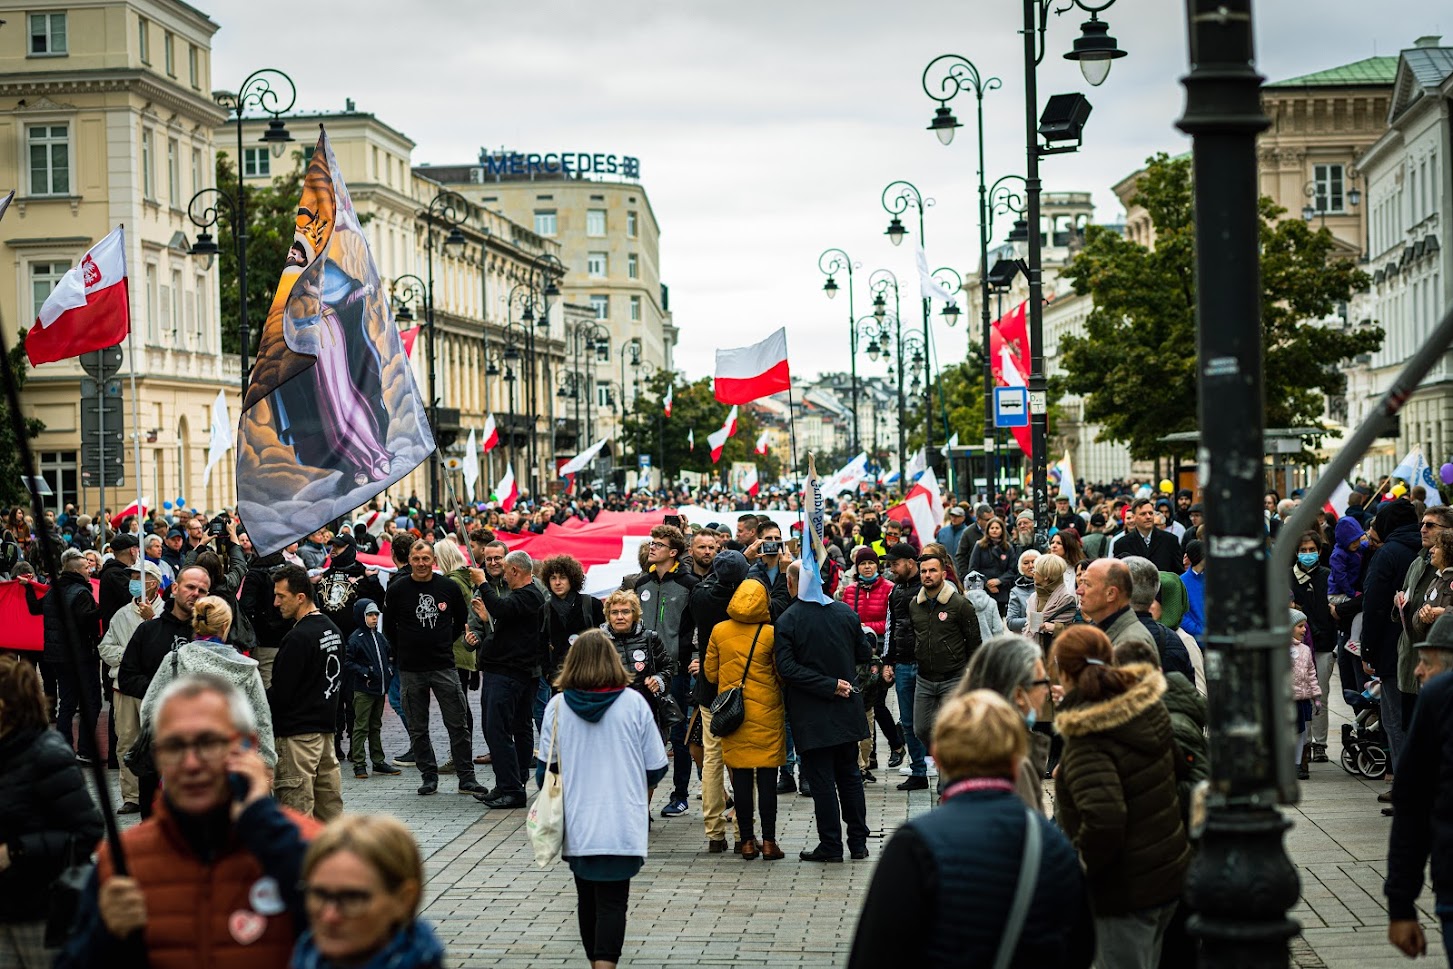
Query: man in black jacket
817	650
338	588
70	595
1147	541
509	670
1396	525
1422	797
901	660
1144	587
423	614
303	697
116	576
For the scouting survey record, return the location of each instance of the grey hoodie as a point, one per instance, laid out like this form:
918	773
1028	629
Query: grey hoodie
222	660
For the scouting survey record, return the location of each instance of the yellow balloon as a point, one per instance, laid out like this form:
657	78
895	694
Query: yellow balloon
1166	487
1399	490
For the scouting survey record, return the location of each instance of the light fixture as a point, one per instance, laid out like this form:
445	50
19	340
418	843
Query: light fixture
206	245
1002	273
529	315
895	231
943	124
404	315
1354	197
873	351
951	313
491	369
276	137
1019	234
1095	49
551	290
454	238
830	287
880	306
1309	212
1064	117
512	353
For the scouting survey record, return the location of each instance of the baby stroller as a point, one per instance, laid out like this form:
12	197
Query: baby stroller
1364	743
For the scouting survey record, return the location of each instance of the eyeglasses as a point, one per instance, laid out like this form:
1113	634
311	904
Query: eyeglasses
659	544
1044	682
210	748
1428	525
350	902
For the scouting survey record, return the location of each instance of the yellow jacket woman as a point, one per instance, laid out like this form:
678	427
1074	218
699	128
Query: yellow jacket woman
756	749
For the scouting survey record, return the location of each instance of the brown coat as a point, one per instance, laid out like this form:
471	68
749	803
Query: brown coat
761	740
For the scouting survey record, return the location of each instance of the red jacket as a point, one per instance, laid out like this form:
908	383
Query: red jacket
870	605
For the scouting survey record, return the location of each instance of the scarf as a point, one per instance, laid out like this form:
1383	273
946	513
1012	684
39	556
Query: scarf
415	946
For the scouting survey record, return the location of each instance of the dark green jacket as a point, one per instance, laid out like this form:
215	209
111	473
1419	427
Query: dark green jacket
945	632
1187	710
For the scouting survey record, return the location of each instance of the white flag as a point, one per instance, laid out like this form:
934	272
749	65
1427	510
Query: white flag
925	505
928	287
222	438
917	464
1415	470
582	459
814	548
471	464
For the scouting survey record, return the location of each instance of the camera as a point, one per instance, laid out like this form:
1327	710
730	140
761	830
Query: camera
771	548
218	525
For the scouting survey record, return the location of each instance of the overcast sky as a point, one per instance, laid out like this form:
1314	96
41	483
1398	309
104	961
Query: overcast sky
768	130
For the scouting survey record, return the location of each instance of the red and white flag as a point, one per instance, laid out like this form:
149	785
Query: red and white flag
1337	503
718	438
745	374
88	310
132	510
1007	374
762	443
490	437
691	439
507	491
751	483
670	393
1013	328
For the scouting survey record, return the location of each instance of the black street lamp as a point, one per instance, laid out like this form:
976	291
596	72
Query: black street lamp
1241	882
586	336
841	262
885	341
1321	203
445	210
257	91
955	74
520	338
645	368
497	361
896	204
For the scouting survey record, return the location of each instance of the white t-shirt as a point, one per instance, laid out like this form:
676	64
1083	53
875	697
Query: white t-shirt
603	769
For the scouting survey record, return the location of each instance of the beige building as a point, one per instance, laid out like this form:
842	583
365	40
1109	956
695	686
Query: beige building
106	118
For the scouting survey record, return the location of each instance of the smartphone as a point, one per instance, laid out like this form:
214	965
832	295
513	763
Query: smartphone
672	520
771	548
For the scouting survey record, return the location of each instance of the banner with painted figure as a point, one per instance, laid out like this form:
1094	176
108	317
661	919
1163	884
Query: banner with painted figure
332	416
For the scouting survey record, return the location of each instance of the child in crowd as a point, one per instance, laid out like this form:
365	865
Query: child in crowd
370	669
1306	691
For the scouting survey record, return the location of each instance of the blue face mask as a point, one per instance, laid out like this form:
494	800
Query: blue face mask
1308	559
1363	542
1030	719
136	587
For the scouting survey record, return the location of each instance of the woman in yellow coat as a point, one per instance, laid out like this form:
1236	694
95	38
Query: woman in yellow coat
758	748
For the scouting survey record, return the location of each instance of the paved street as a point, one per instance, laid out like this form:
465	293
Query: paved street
493	907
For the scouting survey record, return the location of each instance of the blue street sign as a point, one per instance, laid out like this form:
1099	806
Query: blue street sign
1011	407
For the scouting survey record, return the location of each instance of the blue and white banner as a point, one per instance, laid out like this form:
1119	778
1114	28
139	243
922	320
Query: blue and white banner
1415	470
814	550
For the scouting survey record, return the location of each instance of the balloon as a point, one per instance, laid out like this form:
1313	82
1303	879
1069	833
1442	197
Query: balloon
181	502
1166	487
167	505
1398	490
1446	473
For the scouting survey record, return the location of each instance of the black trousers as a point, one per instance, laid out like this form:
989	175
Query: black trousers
508	729
70	688
833	774
765	779
601	908
883	717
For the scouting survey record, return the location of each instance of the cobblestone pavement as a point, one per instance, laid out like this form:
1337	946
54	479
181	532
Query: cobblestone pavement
494	907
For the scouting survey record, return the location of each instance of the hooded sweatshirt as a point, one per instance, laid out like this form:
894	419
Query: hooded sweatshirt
1346	566
369	667
218	659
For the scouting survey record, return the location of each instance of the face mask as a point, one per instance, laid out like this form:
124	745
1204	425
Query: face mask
1308	559
1363	542
136	587
1030	719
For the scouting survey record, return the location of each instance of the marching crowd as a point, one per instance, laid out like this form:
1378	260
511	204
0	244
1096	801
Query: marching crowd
1059	677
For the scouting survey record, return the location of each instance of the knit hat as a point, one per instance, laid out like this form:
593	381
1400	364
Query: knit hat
1173	600
729	567
1024	516
1298	616
866	554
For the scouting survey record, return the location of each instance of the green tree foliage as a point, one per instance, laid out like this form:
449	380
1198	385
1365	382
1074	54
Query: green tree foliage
12	486
271	218
693	406
1136	364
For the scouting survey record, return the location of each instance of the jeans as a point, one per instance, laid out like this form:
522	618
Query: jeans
680	754
765	779
791	752
928	696
1392	720
905	677
69	690
1132	941
1324	663
444	685
367	731
507	728
832	772
542	697
395	701
601	909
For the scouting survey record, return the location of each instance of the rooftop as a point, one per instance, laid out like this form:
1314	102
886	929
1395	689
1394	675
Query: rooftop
1366	72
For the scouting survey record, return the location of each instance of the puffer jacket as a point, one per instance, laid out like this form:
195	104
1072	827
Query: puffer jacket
1019	597
1116	797
870	602
46	815
996	562
761	740
1187	709
1304	674
643	654
1346	571
71	592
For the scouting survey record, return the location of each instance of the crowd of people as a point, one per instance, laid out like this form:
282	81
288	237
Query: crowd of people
1033	676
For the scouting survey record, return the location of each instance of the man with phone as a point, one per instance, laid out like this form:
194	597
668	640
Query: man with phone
213	876
770	558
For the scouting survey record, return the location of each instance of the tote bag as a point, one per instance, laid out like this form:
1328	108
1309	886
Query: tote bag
546	822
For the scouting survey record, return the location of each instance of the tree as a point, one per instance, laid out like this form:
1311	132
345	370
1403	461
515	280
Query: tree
12	485
693	407
1136	363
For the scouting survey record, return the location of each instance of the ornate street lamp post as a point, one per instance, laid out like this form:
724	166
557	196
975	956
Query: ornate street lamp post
830	263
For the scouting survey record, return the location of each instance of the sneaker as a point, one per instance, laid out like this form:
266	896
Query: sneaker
717	847
896	757
804	789
675	809
868	777
472	787
501	802
915	782
932	767
906	770
785	784
386	768
447	767
873	761
858	854
405	759
360	774
429	787
1302	773
1319	753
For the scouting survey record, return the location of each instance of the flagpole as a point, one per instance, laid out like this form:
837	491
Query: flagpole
792	428
135	412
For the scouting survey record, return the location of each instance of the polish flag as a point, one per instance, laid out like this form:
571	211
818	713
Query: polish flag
1337	503
131	510
753	485
88	310
745	374
718	438
491	434
1013	330
762	443
1008	375
691	439
670	393
410	337
507	491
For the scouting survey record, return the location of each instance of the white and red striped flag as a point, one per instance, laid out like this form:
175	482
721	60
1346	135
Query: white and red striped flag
762	442
718	438
670	393
691	439
491	434
745	374
750	482
88	310
507	491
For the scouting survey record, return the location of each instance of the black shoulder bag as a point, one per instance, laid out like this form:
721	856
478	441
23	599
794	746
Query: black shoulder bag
729	708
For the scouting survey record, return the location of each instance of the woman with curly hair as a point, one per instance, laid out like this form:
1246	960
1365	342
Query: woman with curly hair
569	611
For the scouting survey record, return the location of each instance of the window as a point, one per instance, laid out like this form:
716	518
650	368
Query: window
631	224
58	468
633	267
47	34
166	322
601	305
256	163
173	172
168	50
546	223
197	185
148	174
595	222
635	308
194	73
602	350
50	159
1328	182
595	264
143	37
602	396
179	296
153	307
43	279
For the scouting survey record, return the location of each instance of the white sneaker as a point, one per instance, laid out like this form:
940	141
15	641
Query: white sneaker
932	767
906	770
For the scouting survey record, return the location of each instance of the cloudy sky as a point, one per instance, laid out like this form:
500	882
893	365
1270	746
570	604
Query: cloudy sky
767	131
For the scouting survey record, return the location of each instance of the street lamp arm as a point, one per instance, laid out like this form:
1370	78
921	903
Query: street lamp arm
952	274
959	74
259	91
211	201
883	279
450	208
908	195
840	262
